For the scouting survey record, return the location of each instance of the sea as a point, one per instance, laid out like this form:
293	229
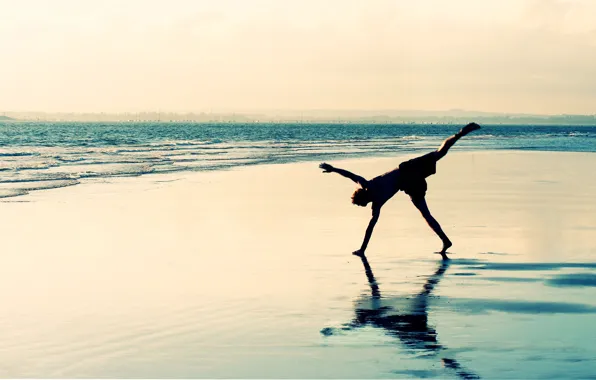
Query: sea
46	155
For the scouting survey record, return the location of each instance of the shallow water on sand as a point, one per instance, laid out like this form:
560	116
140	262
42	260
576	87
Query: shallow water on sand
124	280
404	318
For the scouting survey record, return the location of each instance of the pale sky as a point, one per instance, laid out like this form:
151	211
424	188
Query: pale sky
532	56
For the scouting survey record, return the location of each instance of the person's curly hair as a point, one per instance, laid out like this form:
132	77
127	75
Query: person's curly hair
360	197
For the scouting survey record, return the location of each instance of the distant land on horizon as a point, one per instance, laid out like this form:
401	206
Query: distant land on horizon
311	116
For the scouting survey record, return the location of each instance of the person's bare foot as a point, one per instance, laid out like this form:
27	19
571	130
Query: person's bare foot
358	253
469	128
446	245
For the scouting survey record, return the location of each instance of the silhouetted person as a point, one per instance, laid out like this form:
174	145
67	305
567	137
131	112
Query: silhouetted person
409	325
410	177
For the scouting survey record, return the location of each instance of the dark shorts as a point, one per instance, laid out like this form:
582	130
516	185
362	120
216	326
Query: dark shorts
413	174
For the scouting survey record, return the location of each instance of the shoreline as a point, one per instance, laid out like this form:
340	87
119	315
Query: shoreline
384	162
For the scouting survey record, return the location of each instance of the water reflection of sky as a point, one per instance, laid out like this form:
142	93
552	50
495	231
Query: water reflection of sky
533	323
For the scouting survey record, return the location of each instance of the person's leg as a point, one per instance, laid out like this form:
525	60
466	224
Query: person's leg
448	143
420	203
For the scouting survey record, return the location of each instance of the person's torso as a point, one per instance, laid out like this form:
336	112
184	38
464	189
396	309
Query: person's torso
385	186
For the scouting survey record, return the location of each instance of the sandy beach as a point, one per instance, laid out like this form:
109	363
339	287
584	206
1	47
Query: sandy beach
248	273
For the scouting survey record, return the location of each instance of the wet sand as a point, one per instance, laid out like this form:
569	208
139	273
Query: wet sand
249	274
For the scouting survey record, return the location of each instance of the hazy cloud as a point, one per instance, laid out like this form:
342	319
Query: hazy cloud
509	55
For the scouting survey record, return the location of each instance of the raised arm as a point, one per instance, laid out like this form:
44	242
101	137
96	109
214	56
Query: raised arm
376	212
354	177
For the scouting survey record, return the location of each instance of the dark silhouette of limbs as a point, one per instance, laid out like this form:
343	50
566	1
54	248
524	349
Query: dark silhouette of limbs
409	326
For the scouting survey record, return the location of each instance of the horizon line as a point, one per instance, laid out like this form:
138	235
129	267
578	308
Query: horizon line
268	111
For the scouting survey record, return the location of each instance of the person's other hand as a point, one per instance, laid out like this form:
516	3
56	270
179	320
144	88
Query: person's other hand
326	167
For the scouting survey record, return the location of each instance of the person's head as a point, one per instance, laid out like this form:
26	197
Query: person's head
361	197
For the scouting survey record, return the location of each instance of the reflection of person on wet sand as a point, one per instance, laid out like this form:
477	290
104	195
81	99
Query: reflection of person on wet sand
410	177
411	326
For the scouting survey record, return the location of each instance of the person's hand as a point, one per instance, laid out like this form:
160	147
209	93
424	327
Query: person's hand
359	253
326	167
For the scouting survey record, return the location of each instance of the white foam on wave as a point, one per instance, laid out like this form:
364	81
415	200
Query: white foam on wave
111	170
9	193
27	164
22	165
22	188
581	134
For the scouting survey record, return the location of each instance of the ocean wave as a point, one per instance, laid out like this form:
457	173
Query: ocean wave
24	165
413	137
78	152
129	150
114	161
480	136
49	185
18	154
26	187
8	193
69	159
35	177
120	172
582	134
182	143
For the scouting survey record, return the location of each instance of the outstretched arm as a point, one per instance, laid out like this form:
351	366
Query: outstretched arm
354	177
376	212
